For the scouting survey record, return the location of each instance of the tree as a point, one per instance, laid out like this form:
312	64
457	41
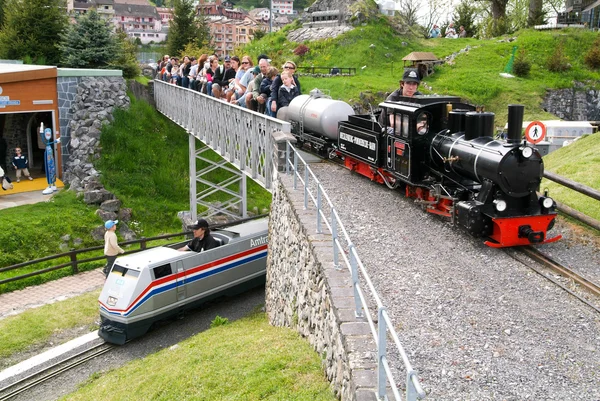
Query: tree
465	15
125	59
536	13
2	5
409	12
182	29
89	43
203	38
32	30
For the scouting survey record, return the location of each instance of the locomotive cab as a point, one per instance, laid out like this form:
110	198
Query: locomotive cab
409	126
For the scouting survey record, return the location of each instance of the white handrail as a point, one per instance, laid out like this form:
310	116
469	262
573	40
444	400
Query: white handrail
414	391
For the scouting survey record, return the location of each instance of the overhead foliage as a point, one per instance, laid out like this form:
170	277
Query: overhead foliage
182	28
465	15
125	59
89	43
32	30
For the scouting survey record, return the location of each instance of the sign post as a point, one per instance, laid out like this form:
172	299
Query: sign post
535	132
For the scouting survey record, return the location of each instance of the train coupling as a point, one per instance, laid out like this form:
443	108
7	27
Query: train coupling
535	237
112	334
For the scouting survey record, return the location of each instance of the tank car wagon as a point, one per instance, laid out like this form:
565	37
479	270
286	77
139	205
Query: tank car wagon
441	151
157	283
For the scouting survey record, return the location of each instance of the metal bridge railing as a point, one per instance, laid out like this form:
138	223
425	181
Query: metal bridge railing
344	248
240	136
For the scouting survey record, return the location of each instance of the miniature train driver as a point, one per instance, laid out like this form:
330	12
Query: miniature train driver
202	240
409	86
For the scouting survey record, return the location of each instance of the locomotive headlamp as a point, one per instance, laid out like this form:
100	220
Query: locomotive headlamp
111	301
500	205
547	202
526	151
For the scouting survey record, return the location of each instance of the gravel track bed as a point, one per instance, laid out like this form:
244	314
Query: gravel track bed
476	323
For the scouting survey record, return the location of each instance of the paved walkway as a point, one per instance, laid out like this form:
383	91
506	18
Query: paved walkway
16	302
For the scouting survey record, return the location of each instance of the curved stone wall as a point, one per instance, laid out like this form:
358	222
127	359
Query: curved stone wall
86	104
306	292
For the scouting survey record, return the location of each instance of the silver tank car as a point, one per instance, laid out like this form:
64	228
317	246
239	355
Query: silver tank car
157	283
319	114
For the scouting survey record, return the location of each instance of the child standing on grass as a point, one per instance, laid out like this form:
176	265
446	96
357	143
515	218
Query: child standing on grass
20	164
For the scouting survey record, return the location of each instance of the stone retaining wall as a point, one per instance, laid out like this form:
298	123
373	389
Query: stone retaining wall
573	104
306	292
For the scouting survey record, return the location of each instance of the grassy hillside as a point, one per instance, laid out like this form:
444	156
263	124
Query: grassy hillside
579	162
474	74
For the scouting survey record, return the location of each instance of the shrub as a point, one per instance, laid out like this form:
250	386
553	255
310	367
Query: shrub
521	65
219	321
558	60
592	57
301	50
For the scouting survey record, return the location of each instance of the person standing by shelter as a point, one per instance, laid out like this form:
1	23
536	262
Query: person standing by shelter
21	164
111	246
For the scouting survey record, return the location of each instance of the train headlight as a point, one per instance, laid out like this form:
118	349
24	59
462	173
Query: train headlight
547	202
500	205
111	301
526	152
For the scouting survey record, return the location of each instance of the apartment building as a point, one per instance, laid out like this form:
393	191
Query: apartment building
227	34
283	6
140	20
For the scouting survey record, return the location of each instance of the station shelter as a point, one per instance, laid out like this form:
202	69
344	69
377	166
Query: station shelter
28	98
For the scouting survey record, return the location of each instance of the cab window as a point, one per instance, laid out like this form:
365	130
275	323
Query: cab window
162	271
123	271
422	125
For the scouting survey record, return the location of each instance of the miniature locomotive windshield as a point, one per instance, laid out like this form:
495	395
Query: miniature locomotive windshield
442	153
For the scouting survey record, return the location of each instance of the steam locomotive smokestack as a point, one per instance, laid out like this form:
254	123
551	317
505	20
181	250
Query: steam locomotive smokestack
515	123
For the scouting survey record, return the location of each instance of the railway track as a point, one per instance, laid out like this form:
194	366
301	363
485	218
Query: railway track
35	379
549	263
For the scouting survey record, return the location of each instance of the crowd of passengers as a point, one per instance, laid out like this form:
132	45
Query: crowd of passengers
260	88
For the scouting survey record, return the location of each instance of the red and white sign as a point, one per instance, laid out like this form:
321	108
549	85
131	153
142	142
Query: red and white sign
535	132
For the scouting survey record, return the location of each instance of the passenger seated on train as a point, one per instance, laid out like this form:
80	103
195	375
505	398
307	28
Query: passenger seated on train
202	240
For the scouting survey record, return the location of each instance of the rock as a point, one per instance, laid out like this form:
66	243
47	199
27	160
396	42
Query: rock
125	214
111	205
106	215
96	197
127	233
98	233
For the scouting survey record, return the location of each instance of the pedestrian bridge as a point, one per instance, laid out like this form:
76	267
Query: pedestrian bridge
240	136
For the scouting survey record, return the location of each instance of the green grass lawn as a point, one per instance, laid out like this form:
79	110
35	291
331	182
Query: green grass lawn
579	162
36	326
244	360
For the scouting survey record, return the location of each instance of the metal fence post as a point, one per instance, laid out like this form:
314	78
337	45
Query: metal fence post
305	187
319	230
334	236
295	170
381	352
287	157
354	269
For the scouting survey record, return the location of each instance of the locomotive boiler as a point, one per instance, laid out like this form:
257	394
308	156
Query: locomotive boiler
442	152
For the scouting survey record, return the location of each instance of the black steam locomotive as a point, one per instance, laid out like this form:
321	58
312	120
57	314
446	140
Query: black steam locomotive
442	152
